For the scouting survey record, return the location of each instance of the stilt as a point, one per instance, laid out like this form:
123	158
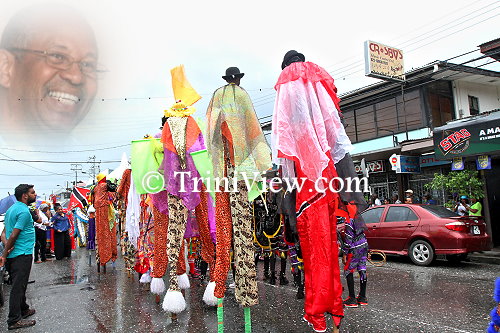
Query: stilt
157	299
98	267
104	268
220	315
248	320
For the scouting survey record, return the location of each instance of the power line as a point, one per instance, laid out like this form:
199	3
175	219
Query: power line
23	162
51	162
64	152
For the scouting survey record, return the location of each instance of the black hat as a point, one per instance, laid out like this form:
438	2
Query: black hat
289	55
232	72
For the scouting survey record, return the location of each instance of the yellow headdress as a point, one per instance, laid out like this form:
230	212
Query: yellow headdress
184	94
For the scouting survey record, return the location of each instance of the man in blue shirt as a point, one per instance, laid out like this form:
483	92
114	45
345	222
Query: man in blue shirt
18	255
62	241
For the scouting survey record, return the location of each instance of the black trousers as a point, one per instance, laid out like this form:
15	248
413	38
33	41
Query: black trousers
62	244
40	244
19	270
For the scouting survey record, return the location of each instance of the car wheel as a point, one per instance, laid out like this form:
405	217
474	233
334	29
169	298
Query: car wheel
421	253
456	258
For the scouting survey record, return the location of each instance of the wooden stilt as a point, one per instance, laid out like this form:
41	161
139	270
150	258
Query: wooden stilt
104	268
98	267
157	299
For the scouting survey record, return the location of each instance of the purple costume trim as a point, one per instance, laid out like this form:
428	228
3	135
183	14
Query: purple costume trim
91	234
171	164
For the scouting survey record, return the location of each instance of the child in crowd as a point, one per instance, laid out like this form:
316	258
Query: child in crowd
355	251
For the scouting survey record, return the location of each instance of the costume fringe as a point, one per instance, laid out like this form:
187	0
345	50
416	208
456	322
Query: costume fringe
183	281
209	297
157	286
174	302
145	278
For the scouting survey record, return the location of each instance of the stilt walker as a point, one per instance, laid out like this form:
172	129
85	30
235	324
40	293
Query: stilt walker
105	224
237	146
180	136
309	142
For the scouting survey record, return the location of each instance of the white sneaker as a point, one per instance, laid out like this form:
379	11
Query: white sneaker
232	285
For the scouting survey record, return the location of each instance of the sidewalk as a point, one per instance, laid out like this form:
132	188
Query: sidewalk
486	257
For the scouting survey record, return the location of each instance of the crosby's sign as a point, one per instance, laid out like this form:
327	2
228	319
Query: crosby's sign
471	137
372	166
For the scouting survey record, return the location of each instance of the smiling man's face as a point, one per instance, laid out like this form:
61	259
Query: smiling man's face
51	97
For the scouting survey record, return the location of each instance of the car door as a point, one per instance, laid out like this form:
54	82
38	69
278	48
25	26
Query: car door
399	223
372	220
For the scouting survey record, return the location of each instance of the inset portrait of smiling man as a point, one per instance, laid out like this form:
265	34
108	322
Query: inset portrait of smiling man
48	71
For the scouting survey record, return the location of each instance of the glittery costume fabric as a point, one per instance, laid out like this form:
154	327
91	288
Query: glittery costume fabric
202	217
160	244
233	216
176	228
106	236
128	249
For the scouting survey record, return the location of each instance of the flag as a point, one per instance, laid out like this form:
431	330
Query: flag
78	198
146	156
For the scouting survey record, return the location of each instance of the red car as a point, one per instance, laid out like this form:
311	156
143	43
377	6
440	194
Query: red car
424	231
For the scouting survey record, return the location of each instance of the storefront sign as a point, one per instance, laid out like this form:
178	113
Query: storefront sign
469	137
458	164
430	160
405	164
372	166
483	162
409	164
383	62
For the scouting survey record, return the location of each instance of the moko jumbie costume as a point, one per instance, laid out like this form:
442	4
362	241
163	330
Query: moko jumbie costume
237	147
310	143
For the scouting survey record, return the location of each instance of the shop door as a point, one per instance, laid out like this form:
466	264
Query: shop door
493	185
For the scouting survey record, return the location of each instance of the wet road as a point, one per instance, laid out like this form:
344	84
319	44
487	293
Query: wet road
69	296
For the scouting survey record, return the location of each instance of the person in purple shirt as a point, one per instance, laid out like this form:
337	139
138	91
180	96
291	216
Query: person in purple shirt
355	251
62	242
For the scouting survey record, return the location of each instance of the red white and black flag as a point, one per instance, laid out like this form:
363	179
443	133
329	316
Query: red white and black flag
78	198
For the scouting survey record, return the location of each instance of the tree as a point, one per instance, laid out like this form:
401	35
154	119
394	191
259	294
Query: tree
465	182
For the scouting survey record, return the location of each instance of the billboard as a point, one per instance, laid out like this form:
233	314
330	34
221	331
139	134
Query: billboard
383	62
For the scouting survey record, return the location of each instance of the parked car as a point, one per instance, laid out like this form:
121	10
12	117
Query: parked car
424	231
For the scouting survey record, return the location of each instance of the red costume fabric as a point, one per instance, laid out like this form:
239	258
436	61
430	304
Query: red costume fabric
106	236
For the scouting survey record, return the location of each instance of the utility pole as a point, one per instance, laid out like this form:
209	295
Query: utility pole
94	167
76	168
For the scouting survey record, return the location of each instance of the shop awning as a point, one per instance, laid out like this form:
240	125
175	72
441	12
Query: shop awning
468	137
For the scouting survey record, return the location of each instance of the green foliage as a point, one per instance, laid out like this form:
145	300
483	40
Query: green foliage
465	182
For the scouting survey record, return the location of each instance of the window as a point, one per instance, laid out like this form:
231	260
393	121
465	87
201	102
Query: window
473	105
440	102
373	215
440	211
400	214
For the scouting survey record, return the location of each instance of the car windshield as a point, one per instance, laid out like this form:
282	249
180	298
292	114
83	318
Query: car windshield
440	211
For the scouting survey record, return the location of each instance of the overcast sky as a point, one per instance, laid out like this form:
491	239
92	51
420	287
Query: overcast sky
140	41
